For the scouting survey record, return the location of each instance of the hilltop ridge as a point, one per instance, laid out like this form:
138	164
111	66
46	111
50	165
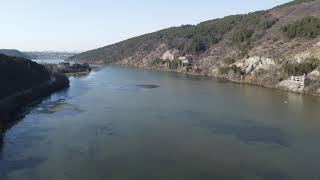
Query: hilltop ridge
14	53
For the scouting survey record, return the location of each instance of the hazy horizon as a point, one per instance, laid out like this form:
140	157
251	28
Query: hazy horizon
83	25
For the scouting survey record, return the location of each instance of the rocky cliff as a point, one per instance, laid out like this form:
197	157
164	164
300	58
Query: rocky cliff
267	48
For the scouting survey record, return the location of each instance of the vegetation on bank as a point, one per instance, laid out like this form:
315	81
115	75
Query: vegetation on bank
228	69
229	60
17	74
171	64
299	69
308	27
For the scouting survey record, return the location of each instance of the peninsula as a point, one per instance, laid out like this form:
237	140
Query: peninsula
24	82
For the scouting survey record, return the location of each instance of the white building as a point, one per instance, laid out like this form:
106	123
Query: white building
300	79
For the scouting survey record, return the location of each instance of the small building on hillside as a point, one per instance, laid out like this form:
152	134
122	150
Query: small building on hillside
302	80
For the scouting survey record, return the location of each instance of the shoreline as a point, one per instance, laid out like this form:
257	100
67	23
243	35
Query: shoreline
15	106
242	82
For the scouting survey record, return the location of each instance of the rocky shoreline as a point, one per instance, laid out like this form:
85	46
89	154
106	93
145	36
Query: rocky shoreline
13	107
312	88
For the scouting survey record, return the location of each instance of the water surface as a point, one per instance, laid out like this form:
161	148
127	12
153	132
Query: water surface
121	124
48	61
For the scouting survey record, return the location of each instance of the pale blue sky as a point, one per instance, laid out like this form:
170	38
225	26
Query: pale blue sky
87	24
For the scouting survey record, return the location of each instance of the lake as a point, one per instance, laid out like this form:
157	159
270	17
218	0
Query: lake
48	61
127	124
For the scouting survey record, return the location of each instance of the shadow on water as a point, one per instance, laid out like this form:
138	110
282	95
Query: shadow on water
248	132
14	160
131	87
55	103
147	86
1	137
16	165
196	78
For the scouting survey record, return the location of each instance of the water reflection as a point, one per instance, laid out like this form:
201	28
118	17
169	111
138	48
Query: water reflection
21	164
1	137
246	130
80	75
147	86
131	87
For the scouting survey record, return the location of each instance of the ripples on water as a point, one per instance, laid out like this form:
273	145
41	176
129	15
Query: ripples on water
60	105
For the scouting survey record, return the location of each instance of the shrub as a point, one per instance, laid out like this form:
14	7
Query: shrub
229	60
241	35
299	69
226	70
236	69
158	61
268	23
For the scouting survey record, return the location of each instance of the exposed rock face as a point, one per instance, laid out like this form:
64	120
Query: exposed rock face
256	63
292	86
315	74
169	55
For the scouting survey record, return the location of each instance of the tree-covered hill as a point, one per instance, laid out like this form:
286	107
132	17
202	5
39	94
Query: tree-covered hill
14	53
240	32
17	74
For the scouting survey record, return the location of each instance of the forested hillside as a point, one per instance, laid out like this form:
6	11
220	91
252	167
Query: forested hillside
17	74
14	53
264	47
240	31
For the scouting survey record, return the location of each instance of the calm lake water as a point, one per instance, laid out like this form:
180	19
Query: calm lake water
121	124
